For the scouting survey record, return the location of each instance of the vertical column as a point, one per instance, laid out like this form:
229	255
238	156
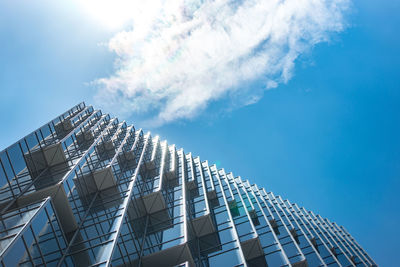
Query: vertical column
357	258
286	239
335	248
231	250
317	241
309	251
96	238
272	248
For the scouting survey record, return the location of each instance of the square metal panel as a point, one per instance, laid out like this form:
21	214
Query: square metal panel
97	181
190	185
150	165
48	156
252	248
302	263
171	174
212	194
203	225
105	149
169	257
154	202
85	136
126	160
210	243
63	127
104	179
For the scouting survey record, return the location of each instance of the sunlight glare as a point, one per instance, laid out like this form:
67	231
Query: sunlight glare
111	14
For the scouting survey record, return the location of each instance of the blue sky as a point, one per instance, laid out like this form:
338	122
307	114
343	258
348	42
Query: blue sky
327	139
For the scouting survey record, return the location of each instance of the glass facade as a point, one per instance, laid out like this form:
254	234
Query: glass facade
89	190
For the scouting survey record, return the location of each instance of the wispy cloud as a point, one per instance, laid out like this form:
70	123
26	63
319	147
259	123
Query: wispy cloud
178	56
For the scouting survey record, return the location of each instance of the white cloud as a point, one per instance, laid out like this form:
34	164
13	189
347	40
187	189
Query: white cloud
179	56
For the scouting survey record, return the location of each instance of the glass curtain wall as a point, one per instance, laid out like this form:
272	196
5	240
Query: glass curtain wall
86	189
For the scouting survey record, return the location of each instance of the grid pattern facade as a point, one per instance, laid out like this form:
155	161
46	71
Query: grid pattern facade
88	190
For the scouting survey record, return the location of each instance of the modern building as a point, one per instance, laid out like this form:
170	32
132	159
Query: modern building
89	190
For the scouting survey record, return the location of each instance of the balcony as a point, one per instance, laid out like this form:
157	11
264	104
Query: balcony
63	128
95	181
105	150
40	159
127	160
253	252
